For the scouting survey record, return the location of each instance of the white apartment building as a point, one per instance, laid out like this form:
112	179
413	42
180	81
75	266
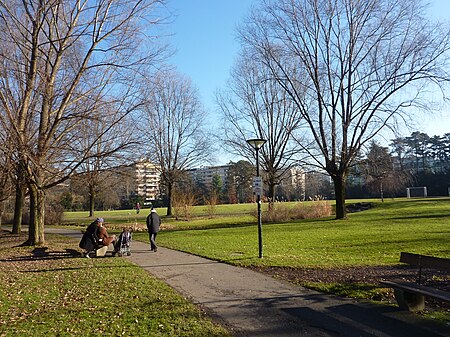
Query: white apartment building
145	180
205	175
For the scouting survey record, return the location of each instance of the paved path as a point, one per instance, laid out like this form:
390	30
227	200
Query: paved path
253	304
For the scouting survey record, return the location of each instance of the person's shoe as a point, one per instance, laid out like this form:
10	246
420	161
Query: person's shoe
155	250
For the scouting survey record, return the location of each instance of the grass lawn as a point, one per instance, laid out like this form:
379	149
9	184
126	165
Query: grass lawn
52	292
224	214
372	237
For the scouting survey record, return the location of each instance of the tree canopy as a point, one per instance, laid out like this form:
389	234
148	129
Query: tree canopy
352	68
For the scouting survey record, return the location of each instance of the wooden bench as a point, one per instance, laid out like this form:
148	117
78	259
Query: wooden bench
410	295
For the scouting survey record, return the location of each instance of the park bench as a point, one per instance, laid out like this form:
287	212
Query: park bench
411	295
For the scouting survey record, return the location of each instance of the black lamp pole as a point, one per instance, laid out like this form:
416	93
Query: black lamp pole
257	144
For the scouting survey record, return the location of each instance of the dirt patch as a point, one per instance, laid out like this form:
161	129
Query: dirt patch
371	275
368	275
358	207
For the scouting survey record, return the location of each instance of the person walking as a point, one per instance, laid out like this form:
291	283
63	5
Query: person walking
153	223
138	208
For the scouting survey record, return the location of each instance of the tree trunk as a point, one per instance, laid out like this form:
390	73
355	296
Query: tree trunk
91	201
37	213
271	194
381	191
18	207
169	201
339	191
2	209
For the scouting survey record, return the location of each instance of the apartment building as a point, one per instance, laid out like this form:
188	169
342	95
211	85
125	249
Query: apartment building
205	175
292	186
141	179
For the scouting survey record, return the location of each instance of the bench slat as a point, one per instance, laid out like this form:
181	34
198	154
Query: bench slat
425	261
419	289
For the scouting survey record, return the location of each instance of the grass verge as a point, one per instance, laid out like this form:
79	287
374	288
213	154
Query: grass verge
370	240
51	291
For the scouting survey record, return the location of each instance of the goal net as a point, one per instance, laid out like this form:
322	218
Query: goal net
416	192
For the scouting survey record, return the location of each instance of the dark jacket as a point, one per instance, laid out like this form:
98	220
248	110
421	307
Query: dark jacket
89	241
153	222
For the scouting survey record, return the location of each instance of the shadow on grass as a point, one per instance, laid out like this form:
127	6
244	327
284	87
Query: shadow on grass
73	268
41	254
422	216
210	226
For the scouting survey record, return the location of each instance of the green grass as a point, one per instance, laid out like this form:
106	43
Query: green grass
73	296
372	237
224	216
57	294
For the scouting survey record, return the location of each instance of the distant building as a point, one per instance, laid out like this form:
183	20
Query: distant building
205	175
142	180
292	185
148	176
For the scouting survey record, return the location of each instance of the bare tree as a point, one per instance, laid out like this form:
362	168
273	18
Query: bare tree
174	124
115	138
378	167
6	168
256	105
380	172
65	60
360	63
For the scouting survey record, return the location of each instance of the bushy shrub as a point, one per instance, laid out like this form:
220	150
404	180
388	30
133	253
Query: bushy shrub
211	204
282	212
311	209
183	204
54	214
279	212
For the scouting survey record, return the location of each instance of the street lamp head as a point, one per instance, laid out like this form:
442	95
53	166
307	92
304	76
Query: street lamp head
257	143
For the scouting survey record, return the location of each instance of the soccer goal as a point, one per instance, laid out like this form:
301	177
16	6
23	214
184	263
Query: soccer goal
416	192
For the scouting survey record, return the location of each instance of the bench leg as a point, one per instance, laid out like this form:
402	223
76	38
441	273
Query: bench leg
409	301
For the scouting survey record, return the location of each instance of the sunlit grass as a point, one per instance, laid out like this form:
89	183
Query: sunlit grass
61	295
372	237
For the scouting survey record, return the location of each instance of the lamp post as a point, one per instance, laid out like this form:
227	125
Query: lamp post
257	144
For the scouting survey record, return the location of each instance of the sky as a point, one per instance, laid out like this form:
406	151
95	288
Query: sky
204	36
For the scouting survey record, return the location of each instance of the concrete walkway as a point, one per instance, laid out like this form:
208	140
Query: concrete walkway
253	304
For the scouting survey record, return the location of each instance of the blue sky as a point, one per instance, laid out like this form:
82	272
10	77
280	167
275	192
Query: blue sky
204	35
